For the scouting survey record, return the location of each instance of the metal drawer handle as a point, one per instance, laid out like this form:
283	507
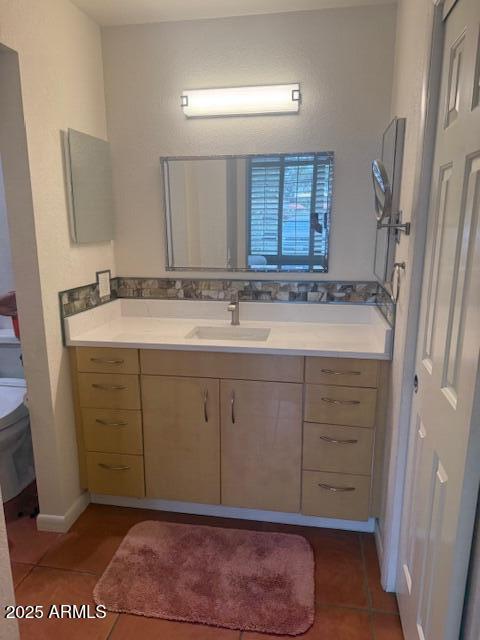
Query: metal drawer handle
335	441
105	361
114	467
205	405
110	387
329	487
232	407
105	423
344	402
334	372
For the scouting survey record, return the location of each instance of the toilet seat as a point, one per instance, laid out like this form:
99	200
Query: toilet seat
12	408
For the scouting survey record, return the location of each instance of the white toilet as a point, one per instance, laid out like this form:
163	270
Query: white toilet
17	469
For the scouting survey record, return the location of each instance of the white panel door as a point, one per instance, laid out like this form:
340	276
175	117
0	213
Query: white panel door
444	463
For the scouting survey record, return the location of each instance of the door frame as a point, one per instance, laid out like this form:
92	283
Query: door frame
388	543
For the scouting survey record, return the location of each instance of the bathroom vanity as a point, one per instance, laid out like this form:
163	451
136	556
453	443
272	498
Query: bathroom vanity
192	410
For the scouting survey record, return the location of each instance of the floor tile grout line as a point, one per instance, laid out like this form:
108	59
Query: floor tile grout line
372	626
366	581
351	607
32	567
61	535
87	571
383	612
113	626
64	569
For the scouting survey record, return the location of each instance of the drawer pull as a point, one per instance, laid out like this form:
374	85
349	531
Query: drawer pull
105	423
334	372
106	361
329	487
110	387
344	402
205	405
114	467
232	407
335	441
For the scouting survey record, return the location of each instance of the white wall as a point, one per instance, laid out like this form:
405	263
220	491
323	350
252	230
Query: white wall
342	58
414	23
6	273
60	62
8	628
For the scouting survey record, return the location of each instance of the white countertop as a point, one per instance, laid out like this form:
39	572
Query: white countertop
350	331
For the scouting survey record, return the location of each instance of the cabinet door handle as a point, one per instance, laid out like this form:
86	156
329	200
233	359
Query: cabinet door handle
344	402
114	467
205	405
232	407
105	423
334	372
329	487
110	387
106	361
335	441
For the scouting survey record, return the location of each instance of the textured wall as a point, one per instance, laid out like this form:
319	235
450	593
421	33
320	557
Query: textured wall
342	58
62	86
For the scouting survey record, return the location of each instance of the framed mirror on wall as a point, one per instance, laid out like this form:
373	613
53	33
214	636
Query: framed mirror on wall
386	178
262	213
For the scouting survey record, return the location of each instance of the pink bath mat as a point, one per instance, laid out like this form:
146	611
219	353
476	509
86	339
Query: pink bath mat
248	580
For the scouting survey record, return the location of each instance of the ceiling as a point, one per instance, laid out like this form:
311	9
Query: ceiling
121	12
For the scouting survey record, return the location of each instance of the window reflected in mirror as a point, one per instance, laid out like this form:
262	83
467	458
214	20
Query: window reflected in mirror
249	213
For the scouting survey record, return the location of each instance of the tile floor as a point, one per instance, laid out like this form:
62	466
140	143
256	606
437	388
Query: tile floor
52	568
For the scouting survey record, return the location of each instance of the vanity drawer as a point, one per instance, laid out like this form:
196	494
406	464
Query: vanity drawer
345	372
350	406
112	430
109	391
236	366
116	474
335	495
107	360
328	447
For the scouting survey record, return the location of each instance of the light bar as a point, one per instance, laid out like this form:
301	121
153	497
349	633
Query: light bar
241	101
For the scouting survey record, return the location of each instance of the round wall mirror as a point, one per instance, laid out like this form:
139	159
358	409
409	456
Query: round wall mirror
382	190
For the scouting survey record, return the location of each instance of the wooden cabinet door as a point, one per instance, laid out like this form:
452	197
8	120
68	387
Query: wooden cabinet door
181	430
261	444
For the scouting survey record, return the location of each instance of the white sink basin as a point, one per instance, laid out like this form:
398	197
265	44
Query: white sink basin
253	334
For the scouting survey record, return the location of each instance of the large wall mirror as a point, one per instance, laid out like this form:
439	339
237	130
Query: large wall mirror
391	164
249	213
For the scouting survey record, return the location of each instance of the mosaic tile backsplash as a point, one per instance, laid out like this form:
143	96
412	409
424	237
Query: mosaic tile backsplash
80	299
84	298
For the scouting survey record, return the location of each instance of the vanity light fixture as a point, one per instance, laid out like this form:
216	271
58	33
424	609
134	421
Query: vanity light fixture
241	101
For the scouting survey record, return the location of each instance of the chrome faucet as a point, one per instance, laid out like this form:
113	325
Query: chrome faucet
234	308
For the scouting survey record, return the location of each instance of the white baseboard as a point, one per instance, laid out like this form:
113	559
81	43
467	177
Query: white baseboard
220	511
61	524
